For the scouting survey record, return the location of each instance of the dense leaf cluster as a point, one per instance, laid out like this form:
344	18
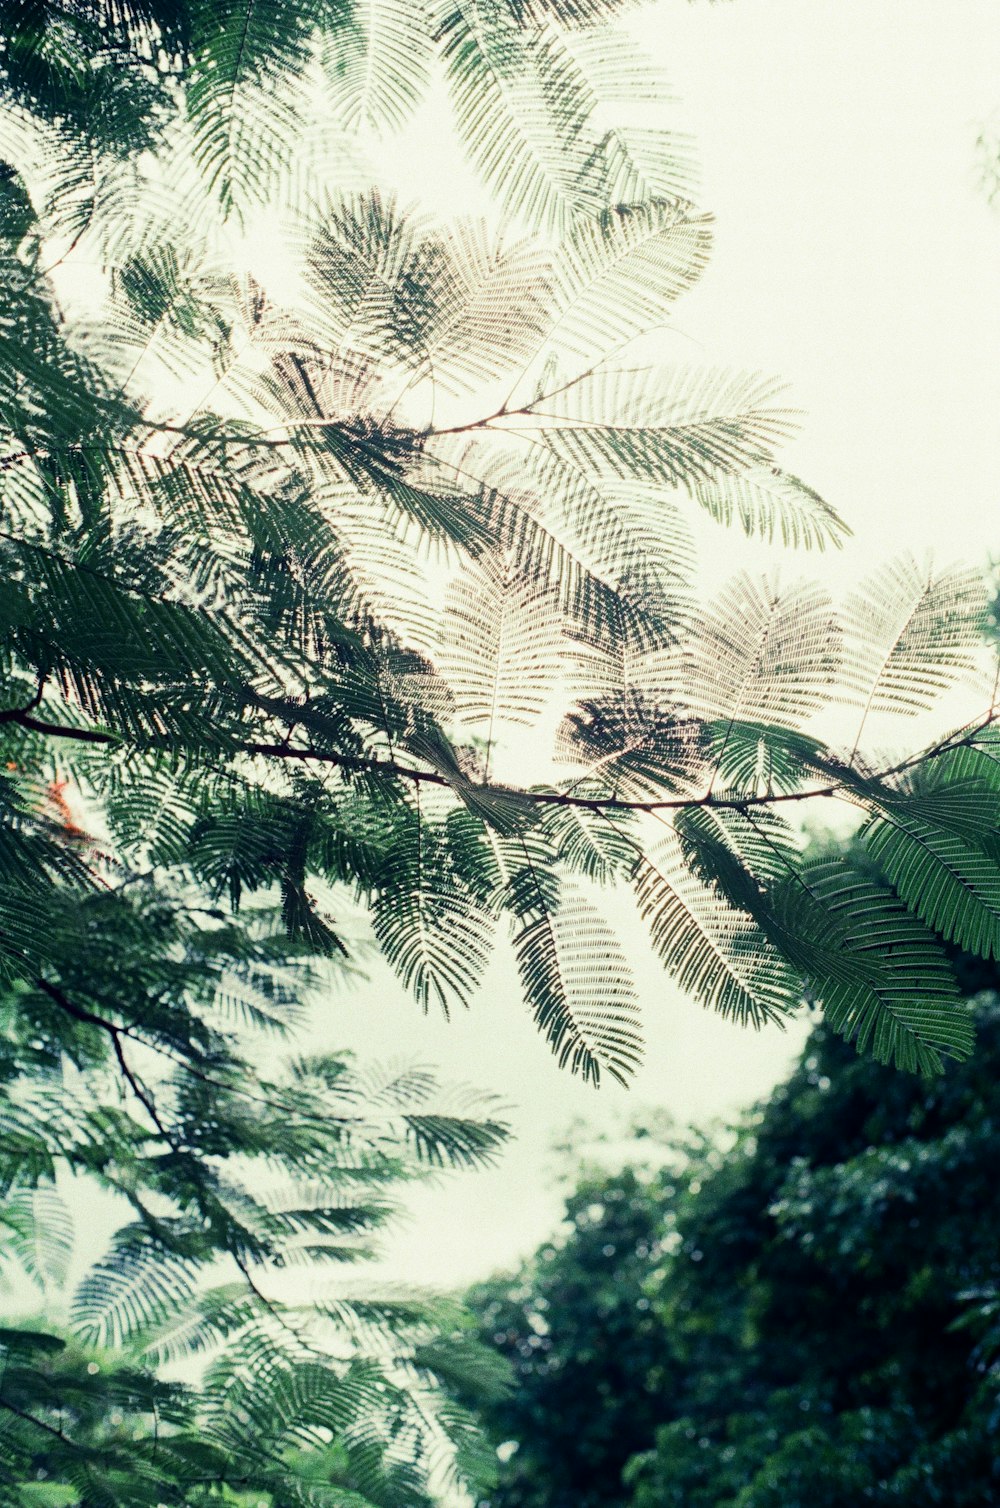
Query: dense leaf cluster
285	574
809	1316
125	1068
283	578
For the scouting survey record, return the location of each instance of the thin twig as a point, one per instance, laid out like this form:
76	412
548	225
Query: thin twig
390	767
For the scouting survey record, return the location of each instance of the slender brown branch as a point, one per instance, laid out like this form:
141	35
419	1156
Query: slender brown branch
61	730
15	714
49	1429
115	1033
390	767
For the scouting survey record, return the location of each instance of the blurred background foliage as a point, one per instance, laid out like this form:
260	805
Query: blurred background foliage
803	1310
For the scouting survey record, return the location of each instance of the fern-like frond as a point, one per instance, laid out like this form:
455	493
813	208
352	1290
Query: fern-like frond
379	62
763	652
525	111
244	126
197	1326
629	746
36	1232
493	303
374	282
947	878
617	275
504	647
588	844
878	972
718	955
912	631
430	928
773	505
578	985
137	1284
690	428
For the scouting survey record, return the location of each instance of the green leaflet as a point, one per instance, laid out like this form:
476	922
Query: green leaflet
947	879
879	973
579	988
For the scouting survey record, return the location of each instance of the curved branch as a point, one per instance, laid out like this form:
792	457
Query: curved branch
372	764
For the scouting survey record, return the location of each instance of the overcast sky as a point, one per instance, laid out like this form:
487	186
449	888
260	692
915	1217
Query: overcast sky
855	259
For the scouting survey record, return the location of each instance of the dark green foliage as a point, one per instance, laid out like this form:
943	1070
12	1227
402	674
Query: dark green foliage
126	1066
281	583
806	1313
586	1347
87	1427
278	577
530	97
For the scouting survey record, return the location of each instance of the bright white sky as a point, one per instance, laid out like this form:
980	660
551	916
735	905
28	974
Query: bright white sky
855	259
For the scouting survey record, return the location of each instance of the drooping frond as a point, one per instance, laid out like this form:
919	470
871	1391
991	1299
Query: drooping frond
773	505
504	647
529	113
720	956
244	127
136	1285
36	1233
913	631
577	982
431	929
949	879
877	971
379	62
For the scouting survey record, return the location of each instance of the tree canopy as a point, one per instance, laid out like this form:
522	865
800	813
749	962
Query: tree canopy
804	1312
284	574
244	1187
284	569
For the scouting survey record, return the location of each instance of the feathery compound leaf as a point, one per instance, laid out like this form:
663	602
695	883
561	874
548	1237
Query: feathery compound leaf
504	646
240	92
946	878
492	303
757	759
375	282
430	928
136	1285
773	504
37	1232
635	535
592	600
526	112
617	274
911	633
579	986
721	957
450	1140
692	427
588	844
762	651
881	977
959	791
380	62
629	746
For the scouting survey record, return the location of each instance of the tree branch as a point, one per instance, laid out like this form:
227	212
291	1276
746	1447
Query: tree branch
390	767
115	1033
15	714
50	1429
